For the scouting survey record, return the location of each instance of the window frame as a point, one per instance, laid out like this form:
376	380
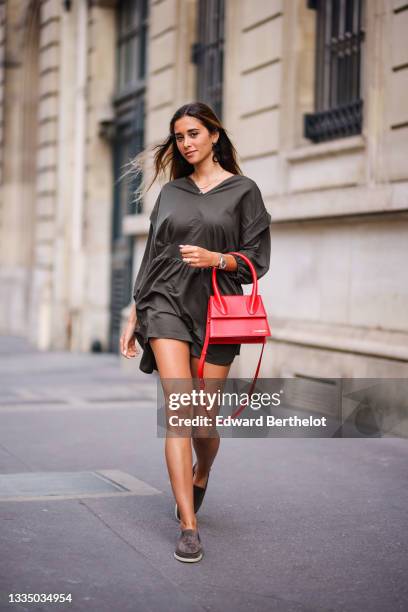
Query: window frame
339	57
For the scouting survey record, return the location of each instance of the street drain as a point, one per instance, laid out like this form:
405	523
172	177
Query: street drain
67	485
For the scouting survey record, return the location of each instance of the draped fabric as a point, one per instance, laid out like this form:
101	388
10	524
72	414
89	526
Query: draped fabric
171	297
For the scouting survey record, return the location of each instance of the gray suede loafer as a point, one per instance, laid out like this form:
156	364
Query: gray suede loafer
189	548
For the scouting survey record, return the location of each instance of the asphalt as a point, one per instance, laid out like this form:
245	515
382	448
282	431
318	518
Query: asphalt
286	525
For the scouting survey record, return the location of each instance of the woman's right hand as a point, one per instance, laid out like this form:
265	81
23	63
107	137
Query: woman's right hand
128	344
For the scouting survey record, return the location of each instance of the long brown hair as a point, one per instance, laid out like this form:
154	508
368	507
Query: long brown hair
167	153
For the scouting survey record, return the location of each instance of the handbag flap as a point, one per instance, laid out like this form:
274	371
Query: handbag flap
237	307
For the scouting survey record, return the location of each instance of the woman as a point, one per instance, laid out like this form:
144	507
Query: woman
207	209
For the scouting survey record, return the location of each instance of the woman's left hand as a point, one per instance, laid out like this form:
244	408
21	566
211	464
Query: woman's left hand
197	257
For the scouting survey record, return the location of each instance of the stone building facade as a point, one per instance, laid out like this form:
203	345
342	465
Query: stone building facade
70	243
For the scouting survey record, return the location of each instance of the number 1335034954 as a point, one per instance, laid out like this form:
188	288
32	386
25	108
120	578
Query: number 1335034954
39	597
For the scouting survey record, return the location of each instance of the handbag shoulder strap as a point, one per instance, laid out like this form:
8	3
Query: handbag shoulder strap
201	371
243	406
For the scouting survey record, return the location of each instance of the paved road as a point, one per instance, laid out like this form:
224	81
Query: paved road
287	524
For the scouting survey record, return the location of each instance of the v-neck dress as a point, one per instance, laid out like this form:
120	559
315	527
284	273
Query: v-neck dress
171	296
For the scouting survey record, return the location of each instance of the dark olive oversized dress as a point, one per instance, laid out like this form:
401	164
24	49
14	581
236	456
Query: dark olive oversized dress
171	296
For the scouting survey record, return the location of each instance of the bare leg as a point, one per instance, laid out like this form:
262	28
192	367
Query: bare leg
173	362
206	448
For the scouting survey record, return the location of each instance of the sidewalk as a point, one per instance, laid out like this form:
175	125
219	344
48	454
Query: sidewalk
287	524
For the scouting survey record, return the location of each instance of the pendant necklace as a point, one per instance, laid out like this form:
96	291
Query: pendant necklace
200	188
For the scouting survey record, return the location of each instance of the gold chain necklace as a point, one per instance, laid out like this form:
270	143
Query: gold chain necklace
201	187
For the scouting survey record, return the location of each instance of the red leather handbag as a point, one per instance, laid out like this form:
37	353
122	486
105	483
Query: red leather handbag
235	319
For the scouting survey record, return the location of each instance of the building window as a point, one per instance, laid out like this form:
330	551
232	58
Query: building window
131	49
127	142
129	102
338	109
208	53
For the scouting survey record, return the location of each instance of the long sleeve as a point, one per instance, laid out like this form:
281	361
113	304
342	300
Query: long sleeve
149	252
255	238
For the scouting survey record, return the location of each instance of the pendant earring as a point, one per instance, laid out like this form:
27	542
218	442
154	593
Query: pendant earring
215	156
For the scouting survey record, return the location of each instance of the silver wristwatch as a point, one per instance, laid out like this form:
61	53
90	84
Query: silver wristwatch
222	264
